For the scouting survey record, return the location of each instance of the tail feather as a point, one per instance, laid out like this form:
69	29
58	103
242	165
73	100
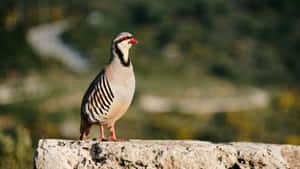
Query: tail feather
84	129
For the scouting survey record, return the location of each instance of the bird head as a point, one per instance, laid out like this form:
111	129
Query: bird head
121	45
124	41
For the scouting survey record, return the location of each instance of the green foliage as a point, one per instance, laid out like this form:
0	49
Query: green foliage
249	41
277	125
16	149
241	41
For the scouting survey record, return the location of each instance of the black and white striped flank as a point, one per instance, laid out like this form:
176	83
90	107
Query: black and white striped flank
98	99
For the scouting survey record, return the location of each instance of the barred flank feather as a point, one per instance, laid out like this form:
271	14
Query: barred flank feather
98	99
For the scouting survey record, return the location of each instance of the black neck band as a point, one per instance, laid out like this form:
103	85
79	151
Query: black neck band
120	55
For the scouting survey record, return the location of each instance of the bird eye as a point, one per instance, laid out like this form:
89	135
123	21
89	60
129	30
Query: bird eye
121	39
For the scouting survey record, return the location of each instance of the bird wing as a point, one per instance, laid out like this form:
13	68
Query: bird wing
98	99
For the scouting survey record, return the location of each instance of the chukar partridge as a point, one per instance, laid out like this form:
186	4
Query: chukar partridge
110	93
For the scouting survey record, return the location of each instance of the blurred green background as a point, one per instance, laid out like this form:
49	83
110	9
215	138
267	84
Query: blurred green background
211	70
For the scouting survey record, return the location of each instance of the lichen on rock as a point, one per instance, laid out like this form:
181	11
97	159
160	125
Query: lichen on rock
164	154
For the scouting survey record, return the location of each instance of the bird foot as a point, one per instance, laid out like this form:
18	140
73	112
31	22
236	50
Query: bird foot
84	138
115	139
102	139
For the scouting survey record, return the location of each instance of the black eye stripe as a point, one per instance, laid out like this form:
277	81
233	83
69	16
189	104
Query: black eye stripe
123	38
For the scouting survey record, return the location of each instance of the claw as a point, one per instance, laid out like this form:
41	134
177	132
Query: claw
111	138
102	139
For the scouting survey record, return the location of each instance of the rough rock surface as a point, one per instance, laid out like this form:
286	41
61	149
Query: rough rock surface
164	154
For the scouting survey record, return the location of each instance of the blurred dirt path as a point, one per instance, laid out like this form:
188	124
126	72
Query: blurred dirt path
46	41
255	98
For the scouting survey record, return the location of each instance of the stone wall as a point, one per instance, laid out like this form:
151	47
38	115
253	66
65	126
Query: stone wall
164	154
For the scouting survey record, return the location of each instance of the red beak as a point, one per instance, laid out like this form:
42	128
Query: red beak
132	40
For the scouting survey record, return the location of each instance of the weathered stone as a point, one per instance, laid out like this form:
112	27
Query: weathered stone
167	154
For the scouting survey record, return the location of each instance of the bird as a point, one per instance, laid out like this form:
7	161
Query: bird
110	94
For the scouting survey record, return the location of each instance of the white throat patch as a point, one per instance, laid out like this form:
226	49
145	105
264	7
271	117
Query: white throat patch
124	47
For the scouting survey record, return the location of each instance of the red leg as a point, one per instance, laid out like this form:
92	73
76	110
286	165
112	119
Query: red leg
102	136
113	134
